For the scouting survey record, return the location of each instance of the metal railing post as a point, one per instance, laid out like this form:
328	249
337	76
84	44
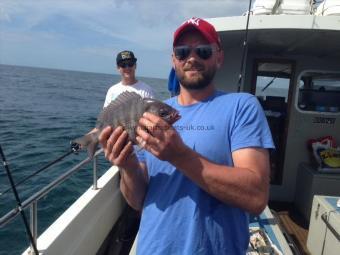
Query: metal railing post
34	223
95	164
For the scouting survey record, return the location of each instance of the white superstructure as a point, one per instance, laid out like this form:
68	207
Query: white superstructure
328	7
292	7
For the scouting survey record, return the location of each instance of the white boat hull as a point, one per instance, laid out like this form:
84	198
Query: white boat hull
83	227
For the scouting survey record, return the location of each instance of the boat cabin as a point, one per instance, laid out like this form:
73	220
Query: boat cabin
292	66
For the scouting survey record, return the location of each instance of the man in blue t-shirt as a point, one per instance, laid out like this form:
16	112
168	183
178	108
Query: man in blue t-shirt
197	180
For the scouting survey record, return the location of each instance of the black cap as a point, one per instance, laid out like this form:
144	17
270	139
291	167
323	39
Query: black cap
125	55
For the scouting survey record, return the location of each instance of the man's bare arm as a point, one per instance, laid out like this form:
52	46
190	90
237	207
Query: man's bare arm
244	185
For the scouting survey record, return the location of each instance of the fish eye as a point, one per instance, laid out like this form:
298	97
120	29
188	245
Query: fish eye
162	113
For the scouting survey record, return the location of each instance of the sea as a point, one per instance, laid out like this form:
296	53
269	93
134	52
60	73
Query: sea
41	111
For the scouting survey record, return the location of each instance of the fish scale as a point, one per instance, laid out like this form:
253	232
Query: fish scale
125	111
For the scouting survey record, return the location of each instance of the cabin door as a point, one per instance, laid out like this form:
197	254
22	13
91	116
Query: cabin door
271	84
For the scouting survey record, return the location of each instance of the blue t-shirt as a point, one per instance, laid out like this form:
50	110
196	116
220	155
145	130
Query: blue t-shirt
178	216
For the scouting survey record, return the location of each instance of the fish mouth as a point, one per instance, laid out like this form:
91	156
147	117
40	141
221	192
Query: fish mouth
173	117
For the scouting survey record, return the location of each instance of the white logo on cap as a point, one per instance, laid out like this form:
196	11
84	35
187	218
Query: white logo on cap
194	21
125	54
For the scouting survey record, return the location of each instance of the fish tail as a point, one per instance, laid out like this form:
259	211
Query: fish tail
91	149
89	141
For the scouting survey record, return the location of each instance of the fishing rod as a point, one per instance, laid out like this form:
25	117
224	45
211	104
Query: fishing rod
23	216
245	47
273	79
74	149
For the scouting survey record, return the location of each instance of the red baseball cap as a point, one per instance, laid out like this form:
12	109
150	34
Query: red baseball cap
204	27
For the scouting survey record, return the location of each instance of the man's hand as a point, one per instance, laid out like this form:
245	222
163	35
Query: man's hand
161	139
117	149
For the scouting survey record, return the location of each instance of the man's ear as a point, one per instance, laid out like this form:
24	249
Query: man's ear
220	58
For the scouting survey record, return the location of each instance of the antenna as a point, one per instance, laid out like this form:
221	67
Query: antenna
245	47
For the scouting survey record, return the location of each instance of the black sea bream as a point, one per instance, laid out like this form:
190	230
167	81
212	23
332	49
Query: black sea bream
125	111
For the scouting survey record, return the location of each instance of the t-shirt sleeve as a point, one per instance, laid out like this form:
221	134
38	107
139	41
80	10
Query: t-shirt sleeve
250	126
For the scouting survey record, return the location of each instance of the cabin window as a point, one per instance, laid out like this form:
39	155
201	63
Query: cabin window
319	92
271	86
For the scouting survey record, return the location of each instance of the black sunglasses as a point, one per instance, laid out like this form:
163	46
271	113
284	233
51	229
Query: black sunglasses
203	51
126	64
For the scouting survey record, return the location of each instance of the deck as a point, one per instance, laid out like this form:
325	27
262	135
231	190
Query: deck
294	227
292	223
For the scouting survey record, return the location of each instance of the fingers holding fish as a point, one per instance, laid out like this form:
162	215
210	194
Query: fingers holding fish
154	124
117	142
126	159
147	141
121	157
151	131
112	140
104	136
117	148
141	142
108	138
164	144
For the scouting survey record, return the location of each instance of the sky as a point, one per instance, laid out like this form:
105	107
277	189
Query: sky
86	35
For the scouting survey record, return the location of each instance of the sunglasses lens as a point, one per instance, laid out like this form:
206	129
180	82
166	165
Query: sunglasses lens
182	52
126	64
204	51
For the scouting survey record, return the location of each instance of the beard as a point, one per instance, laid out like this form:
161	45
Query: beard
202	80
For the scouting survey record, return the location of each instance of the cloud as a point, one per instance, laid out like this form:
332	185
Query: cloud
100	51
3	15
103	27
145	22
176	11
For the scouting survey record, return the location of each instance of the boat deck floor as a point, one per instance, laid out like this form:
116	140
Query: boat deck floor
293	223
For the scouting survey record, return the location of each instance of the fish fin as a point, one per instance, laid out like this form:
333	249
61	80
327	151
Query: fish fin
89	142
124	98
123	101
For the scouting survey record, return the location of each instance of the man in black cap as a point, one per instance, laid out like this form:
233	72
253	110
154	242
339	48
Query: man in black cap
126	66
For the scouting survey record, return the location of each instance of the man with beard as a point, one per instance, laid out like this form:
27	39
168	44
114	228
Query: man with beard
197	181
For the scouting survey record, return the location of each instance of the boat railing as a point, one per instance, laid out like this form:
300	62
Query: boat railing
32	201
